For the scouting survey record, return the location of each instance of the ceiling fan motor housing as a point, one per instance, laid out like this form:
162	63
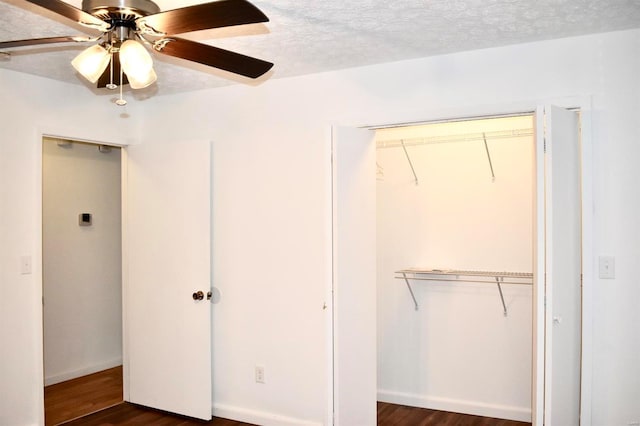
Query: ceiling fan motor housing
120	12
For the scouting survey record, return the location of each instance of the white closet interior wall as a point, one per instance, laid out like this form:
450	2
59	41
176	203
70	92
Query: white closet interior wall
458	352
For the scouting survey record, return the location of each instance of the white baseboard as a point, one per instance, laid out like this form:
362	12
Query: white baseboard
261	418
522	414
68	375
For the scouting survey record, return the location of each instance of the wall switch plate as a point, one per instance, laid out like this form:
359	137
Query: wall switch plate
607	267
259	374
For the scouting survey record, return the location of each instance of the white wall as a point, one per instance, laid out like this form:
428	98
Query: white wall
271	197
30	106
457	352
82	273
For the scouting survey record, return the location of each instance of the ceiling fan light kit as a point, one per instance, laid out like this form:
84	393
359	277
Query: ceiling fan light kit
120	56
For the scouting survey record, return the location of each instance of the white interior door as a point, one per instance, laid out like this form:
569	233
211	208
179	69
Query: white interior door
354	276
166	259
559	267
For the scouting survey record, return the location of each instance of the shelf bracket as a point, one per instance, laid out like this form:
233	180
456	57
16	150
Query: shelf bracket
452	275
406	280
486	147
409	160
379	171
504	306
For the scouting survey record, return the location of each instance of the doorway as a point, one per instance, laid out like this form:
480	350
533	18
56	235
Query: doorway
82	274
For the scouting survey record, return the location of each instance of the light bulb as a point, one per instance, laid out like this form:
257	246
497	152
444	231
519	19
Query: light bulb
91	62
136	62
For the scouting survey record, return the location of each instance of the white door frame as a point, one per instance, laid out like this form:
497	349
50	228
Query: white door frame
583	103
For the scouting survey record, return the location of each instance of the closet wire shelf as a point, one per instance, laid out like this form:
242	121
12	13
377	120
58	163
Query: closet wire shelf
449	275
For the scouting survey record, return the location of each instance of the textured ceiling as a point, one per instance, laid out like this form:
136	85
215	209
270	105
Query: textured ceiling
305	37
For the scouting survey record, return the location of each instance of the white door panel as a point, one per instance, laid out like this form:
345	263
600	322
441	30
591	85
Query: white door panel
166	259
354	276
559	248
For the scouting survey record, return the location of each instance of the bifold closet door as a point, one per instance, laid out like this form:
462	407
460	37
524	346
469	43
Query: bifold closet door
559	265
166	276
354	276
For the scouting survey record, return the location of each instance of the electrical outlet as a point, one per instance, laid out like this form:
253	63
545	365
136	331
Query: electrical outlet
259	374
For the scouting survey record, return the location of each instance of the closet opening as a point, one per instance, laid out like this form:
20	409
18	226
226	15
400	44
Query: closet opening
455	263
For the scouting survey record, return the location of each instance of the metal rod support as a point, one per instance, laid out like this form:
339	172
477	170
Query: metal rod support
486	147
504	306
406	280
410	163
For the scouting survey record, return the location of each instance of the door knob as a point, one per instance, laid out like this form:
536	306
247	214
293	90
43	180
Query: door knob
198	295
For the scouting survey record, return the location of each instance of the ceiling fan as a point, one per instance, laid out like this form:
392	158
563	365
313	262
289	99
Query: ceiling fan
119	56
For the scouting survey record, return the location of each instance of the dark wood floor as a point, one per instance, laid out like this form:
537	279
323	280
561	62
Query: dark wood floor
127	414
84	395
96	400
400	415
388	415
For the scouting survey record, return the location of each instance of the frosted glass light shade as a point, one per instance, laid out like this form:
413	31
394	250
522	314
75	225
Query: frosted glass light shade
142	80
137	64
92	62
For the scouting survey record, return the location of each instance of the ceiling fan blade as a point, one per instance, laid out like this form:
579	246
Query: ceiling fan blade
213	56
73	13
217	14
105	78
46	40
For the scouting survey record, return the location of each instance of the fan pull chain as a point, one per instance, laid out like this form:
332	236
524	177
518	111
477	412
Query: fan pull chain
111	86
121	101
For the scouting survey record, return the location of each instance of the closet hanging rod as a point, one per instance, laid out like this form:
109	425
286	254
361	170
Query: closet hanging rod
468	273
467	137
461	280
452	120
